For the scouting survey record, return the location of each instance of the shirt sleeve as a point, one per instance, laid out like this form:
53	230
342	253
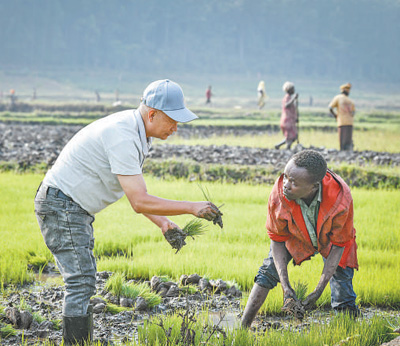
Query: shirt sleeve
123	150
334	102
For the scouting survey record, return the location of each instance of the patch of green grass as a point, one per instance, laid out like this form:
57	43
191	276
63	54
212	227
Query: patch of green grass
339	330
242	244
7	331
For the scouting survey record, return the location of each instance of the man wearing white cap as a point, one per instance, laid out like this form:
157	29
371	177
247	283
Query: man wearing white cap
100	164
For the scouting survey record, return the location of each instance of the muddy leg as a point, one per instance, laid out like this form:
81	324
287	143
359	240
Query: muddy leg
256	300
277	146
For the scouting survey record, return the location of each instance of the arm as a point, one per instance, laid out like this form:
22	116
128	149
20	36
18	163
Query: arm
281	258
135	189
330	267
332	112
292	100
161	221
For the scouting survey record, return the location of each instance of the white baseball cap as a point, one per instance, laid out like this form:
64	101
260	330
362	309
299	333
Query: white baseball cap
167	96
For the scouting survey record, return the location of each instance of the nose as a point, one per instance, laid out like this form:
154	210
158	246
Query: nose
286	184
174	127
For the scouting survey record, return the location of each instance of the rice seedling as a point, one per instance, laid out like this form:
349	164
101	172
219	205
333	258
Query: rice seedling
300	288
188	289
7	330
194	228
115	309
114	284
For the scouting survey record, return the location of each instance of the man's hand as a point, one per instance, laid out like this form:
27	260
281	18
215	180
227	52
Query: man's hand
310	302
208	211
174	236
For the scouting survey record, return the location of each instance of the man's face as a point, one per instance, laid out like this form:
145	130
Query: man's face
297	182
163	126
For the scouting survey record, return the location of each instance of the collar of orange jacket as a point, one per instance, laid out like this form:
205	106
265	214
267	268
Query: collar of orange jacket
332	188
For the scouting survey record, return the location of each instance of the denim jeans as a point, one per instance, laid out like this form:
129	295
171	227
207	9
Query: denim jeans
342	293
68	233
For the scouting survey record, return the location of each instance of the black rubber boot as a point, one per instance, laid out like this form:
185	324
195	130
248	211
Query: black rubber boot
78	330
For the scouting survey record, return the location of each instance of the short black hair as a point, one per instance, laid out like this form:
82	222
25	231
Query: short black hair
313	162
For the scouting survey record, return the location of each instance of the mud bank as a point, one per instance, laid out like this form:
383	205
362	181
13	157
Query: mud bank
29	145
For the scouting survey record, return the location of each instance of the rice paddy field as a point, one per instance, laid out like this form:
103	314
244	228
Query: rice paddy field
129	243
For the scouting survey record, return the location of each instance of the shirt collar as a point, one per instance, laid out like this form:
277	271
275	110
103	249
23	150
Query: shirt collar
146	141
318	197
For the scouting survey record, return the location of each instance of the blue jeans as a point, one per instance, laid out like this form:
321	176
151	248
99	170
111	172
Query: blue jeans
342	293
68	233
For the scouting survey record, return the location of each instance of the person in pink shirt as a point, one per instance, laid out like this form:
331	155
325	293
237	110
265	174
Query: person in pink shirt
289	116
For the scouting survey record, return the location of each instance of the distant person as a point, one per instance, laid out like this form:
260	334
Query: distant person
261	94
311	101
98	98
289	115
34	95
310	211
13	99
208	95
100	164
344	115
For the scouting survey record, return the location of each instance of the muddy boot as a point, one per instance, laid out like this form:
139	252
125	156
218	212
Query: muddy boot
78	330
280	144
256	300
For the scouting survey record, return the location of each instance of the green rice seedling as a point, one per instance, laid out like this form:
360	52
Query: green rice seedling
57	324
7	331
165	278
38	262
230	283
114	284
152	299
38	317
133	290
188	289
300	289
194	228
115	309
23	305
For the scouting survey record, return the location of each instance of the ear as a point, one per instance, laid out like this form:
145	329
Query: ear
151	114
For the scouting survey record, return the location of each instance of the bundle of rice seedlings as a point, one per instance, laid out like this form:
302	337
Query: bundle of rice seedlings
115	309
188	289
151	298
194	228
300	288
114	284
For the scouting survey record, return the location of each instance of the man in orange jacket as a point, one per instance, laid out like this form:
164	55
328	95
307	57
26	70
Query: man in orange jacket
310	211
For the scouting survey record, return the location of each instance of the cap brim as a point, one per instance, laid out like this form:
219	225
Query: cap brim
183	115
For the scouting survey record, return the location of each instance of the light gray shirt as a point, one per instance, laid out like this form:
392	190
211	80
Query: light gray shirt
87	167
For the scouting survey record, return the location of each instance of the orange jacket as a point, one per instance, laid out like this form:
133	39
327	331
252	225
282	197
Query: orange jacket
285	222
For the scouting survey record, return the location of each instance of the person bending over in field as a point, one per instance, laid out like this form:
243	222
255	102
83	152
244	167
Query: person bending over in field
310	211
100	164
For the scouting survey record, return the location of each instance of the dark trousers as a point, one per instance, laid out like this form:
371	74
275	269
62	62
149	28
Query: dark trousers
346	137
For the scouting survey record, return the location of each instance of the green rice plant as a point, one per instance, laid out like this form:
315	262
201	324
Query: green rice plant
300	289
114	284
38	317
230	283
57	324
194	228
23	305
165	278
188	289
115	309
337	330
38	262
7	330
152	299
